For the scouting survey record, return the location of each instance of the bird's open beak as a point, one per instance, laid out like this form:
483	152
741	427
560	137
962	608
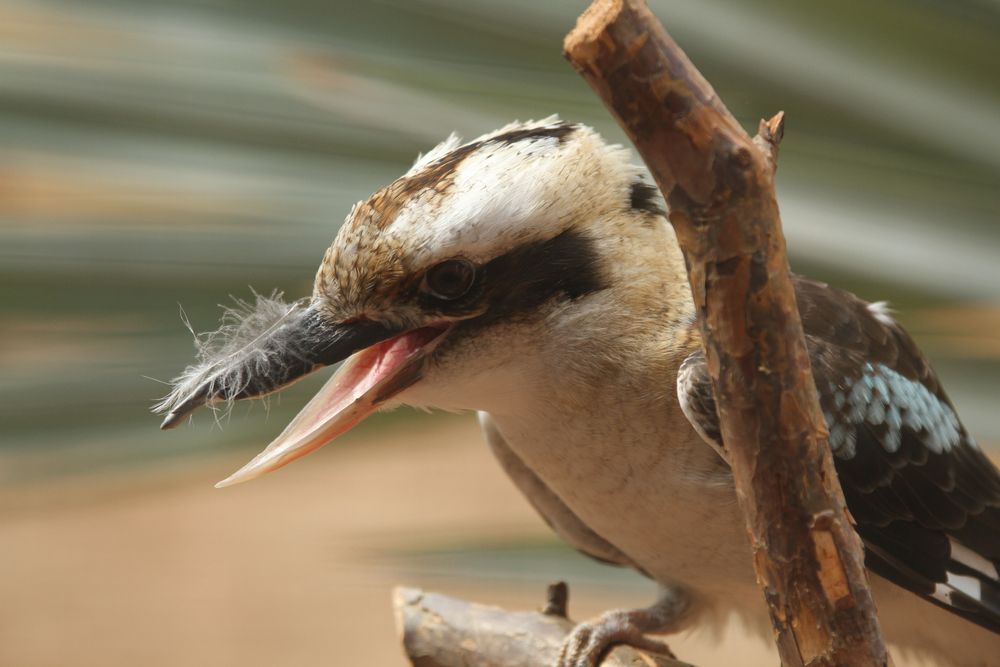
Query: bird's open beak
380	362
365	381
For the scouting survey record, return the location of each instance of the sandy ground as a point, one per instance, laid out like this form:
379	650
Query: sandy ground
156	567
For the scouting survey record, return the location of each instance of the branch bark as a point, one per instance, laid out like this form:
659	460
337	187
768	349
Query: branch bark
719	186
439	631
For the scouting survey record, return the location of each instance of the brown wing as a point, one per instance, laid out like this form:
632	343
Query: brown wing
925	497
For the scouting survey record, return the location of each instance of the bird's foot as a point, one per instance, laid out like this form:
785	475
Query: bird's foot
587	644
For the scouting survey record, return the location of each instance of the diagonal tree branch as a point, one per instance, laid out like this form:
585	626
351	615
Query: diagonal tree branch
718	183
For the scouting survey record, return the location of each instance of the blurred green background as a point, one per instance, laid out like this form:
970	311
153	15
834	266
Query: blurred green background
176	152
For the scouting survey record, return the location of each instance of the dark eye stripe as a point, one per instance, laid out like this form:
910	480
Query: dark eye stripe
524	278
532	274
645	197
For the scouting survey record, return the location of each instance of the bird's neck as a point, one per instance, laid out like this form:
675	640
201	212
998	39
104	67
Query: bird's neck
609	386
611	352
613	444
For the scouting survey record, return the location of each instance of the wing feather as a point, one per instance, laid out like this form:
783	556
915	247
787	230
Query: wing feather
925	498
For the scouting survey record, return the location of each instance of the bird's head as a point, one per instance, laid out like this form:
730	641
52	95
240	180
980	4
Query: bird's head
441	287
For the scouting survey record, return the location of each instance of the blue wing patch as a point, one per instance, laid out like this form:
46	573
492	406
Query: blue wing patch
881	397
924	497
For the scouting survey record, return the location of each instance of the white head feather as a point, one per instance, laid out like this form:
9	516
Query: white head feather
507	193
521	183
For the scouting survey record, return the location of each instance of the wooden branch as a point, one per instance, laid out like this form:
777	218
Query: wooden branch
439	631
719	186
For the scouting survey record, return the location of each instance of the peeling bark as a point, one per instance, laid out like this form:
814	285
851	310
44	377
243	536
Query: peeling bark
719	185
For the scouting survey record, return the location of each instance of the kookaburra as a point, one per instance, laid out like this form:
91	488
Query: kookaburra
531	275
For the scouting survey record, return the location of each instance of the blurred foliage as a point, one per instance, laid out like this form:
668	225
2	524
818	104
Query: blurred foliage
183	150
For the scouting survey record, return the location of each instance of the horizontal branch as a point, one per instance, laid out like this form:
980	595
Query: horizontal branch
440	631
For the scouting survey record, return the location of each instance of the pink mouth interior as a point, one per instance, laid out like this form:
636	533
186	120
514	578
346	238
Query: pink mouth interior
365	381
375	364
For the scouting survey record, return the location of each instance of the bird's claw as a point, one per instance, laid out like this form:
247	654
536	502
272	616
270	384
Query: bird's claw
588	642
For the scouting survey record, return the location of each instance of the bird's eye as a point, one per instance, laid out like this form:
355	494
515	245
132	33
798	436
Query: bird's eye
450	279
